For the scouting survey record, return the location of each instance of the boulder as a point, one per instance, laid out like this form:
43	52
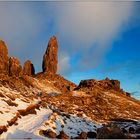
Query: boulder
83	135
110	132
28	68
50	58
63	135
128	94
3	129
115	84
48	133
51	134
4	62
15	68
131	130
91	135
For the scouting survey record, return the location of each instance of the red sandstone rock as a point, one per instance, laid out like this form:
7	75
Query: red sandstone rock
4	62
15	67
63	135
28	68
83	135
3	129
106	84
50	58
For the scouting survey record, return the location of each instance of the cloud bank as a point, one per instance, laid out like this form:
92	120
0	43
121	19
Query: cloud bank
90	28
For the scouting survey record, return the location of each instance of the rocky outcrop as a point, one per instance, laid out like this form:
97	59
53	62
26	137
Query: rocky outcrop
100	85
28	68
15	68
50	58
4	63
128	94
106	84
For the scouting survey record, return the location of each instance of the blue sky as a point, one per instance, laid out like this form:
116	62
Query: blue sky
96	39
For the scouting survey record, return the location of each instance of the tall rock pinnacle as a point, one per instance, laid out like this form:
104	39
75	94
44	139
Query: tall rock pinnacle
15	68
50	58
4	61
28	68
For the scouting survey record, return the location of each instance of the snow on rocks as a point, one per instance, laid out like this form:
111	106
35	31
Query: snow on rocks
71	125
27	126
10	104
45	86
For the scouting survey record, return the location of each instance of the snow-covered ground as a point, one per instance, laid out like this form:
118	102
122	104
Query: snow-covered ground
70	124
49	118
9	107
45	119
30	125
27	126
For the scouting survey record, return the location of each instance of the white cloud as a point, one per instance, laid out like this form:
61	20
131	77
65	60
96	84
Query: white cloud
90	27
87	22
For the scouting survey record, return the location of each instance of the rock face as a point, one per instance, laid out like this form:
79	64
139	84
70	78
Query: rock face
28	68
50	58
107	84
4	63
15	68
103	85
